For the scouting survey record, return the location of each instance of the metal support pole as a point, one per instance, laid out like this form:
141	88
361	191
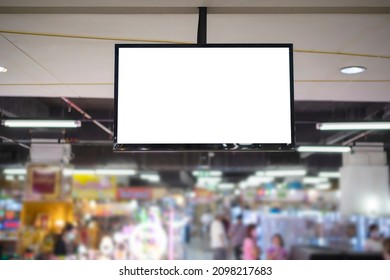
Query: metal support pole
202	26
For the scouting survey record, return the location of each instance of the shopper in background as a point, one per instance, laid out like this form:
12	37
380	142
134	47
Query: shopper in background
205	221
237	233
218	238
66	242
226	223
250	249
386	249
277	251
374	240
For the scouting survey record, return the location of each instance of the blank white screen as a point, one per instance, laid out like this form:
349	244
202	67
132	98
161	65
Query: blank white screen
203	96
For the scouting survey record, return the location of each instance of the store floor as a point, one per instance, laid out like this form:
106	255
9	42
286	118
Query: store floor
199	249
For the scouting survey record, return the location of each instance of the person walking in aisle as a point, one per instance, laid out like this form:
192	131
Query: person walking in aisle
374	240
237	233
218	238
206	220
386	249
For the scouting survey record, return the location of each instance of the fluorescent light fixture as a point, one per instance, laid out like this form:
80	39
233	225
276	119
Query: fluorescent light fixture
207	173
323	186
83	172
209	180
42	123
3	69
324	149
21	177
314	180
243	185
350	70
257	180
116	172
108	172
354	126
226	186
260	173
286	173
215	173
150	177
67	172
9	177
334	174
15	171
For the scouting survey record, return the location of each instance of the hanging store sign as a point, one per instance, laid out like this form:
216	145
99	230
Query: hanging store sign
44	182
94	187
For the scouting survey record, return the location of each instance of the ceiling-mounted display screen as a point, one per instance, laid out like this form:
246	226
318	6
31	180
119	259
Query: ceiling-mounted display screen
204	97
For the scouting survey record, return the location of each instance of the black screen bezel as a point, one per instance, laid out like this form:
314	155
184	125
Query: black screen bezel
125	147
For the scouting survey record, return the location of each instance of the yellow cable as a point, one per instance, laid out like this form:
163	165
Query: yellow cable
342	81
342	53
110	84
61	84
139	40
91	37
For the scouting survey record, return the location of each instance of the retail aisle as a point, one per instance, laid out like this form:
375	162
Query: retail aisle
199	250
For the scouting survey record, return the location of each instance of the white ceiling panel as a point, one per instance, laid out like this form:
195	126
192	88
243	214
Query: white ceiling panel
318	32
36	91
194	3
38	65
159	27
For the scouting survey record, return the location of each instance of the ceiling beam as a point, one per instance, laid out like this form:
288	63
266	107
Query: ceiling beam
194	10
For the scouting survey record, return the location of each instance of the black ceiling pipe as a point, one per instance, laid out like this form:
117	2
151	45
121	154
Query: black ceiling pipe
202	26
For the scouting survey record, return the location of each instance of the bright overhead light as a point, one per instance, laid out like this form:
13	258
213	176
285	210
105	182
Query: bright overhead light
349	70
323	186
82	172
215	173
207	173
334	174
150	177
257	180
9	177
260	173
286	173
324	149
15	171
226	186
314	180
116	172
354	126
108	172
42	123
243	185
3	69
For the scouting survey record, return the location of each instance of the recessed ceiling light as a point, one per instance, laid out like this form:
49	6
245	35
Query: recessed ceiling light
3	69
349	70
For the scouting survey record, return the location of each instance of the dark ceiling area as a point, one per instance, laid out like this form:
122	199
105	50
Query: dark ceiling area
92	146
